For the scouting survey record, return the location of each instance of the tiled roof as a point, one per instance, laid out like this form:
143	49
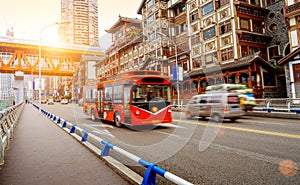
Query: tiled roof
288	57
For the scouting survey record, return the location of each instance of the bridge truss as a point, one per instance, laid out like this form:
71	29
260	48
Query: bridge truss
16	55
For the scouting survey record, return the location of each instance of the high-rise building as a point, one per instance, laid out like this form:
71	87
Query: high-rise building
83	18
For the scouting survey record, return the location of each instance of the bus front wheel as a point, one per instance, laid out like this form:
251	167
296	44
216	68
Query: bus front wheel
118	119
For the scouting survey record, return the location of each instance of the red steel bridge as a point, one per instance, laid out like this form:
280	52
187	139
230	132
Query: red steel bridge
56	60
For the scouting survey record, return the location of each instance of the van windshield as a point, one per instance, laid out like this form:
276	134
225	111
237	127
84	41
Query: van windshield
233	99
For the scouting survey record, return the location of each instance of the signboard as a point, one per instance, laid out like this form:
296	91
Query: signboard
179	75
38	85
174	73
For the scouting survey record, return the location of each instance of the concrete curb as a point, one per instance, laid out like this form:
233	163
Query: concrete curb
284	115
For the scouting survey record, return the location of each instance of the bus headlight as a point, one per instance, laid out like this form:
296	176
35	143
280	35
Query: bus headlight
169	110
137	112
154	109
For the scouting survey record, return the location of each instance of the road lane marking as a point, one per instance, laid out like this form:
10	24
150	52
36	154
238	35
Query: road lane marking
103	132
294	136
166	133
101	125
170	125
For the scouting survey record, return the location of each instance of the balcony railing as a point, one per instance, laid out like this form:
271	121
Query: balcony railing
292	10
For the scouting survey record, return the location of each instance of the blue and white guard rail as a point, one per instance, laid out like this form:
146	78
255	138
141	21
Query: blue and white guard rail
149	177
9	118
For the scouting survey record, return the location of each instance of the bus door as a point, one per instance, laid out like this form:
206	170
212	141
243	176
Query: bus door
126	102
100	101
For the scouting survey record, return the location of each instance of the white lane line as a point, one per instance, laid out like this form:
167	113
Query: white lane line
95	130
166	133
101	125
169	125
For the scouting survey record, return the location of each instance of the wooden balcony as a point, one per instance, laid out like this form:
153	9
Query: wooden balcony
292	10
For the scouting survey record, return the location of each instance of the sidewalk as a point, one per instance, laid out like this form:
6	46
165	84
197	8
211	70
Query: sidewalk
41	153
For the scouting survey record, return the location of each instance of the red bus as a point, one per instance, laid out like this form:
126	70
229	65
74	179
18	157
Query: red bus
134	98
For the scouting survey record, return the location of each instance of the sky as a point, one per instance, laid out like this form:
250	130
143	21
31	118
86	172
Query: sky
27	18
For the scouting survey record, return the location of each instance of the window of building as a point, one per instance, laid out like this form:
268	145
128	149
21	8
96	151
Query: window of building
255	2
182	27
207	34
269	79
273	27
245	24
194	16
224	27
151	36
227	54
273	51
223	2
150	18
271	15
211	58
271	1
244	51
257	26
296	70
150	3
182	8
207	8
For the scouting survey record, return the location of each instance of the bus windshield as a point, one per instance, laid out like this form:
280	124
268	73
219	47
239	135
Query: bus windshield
146	93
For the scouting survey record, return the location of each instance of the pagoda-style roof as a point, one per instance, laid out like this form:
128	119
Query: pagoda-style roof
289	57
244	61
121	21
139	11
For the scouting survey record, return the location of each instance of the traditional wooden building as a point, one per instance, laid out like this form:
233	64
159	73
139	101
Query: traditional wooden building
126	51
291	61
210	41
229	37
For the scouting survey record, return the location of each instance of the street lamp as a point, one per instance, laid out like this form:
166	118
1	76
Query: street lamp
40	57
176	61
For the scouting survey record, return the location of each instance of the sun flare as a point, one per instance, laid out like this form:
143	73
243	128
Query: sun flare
50	37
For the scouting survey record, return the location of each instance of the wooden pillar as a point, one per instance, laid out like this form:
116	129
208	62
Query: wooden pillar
250	77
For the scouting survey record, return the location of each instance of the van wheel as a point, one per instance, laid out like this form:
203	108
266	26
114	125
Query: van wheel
233	119
117	119
93	115
188	115
217	118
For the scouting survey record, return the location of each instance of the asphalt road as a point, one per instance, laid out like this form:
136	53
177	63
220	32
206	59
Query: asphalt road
252	150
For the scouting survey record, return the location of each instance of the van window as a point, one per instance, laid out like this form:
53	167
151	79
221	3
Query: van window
203	100
232	99
216	99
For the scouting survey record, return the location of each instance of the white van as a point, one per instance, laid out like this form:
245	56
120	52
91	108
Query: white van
218	106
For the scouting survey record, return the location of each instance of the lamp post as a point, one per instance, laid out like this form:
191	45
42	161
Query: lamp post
176	61
40	55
